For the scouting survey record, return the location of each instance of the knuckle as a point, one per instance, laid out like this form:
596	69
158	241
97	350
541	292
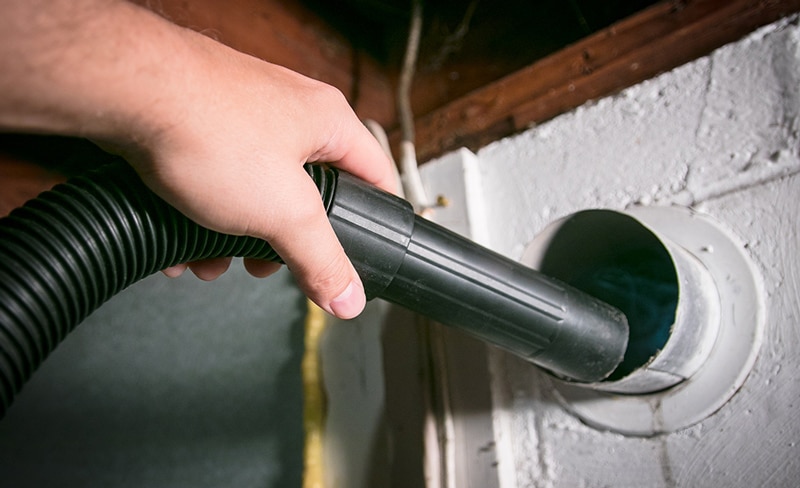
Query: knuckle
331	93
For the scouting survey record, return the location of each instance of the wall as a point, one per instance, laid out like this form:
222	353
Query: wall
172	383
722	135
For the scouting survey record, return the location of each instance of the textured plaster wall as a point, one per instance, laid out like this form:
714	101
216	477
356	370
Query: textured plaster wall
722	135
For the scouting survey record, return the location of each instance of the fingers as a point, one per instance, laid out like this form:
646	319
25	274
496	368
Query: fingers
261	268
211	269
351	302
175	271
205	269
365	158
353	148
308	245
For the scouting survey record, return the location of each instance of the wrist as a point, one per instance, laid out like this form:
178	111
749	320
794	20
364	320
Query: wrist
145	80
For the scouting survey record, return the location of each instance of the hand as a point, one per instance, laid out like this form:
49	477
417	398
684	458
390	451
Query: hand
230	152
220	135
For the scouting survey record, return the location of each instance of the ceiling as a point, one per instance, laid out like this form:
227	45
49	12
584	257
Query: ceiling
548	55
468	43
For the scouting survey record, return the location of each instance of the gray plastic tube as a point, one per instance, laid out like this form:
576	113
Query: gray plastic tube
410	261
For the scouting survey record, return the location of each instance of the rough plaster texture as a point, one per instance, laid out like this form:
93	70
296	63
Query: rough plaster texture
172	383
721	134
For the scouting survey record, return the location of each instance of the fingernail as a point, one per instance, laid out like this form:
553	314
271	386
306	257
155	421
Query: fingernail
351	301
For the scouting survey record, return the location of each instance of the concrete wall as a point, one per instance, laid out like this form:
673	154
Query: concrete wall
722	135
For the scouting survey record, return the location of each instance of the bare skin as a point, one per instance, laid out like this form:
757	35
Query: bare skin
220	135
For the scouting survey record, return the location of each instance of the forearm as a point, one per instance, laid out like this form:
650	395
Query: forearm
93	68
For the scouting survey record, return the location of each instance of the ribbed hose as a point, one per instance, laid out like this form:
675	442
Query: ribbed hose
68	251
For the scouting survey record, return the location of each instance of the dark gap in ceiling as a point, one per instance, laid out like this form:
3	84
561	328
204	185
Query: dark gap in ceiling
504	35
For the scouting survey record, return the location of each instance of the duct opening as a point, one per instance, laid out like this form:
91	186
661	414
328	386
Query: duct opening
625	265
693	302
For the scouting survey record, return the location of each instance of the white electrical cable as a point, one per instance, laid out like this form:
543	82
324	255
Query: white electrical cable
379	134
409	170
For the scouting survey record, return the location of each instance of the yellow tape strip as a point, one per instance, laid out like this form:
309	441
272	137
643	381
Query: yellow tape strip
314	398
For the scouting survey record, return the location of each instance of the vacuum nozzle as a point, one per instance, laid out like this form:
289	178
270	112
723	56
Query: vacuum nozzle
408	260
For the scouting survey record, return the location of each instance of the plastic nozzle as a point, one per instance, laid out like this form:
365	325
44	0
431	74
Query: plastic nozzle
410	261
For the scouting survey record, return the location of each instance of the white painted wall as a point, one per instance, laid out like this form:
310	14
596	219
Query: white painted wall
721	134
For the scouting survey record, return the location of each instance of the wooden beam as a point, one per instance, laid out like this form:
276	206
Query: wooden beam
656	40
285	32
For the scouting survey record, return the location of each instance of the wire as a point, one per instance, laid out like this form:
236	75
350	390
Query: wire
409	170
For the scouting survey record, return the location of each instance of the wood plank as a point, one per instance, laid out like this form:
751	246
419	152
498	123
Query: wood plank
284	32
658	39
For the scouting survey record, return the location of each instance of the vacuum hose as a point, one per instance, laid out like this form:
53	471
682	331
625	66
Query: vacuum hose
72	248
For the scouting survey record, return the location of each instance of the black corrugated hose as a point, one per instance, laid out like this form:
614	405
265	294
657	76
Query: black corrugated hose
68	251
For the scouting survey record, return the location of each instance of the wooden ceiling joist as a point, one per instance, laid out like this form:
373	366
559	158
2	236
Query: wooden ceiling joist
653	41
289	34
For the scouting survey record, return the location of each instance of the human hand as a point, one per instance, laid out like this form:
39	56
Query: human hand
229	154
220	135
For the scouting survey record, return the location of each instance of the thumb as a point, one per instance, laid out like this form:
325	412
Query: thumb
309	247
